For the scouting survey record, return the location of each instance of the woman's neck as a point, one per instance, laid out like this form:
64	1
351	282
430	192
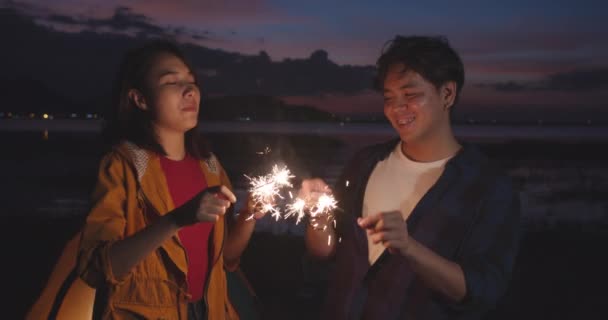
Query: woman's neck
173	143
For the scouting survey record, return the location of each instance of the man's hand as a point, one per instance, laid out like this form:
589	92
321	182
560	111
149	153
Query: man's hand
310	192
389	228
312	189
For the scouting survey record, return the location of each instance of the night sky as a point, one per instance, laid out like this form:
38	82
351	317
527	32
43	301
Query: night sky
546	56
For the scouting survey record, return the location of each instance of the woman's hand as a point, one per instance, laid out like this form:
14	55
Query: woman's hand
207	206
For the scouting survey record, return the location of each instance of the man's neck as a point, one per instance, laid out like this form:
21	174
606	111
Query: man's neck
431	149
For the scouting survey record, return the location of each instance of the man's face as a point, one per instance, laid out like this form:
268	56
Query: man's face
414	106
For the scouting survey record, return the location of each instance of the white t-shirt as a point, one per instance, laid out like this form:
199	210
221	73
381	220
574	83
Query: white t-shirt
397	184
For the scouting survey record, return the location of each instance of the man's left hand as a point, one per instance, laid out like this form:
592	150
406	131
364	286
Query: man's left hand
389	228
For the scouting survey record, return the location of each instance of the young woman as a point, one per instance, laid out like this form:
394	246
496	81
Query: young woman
160	235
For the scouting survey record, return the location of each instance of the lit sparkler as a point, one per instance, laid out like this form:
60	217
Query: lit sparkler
296	208
324	206
266	189
318	211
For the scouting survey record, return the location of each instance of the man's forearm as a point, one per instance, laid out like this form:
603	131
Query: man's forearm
438	273
320	243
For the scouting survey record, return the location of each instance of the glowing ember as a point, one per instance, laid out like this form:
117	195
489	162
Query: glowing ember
324	206
266	151
320	212
266	189
297	208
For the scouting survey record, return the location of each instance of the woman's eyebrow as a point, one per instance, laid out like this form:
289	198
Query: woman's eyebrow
167	73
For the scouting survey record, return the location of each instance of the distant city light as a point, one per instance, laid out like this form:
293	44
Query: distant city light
45	116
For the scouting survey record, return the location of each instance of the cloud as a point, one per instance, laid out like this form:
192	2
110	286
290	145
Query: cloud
123	19
509	86
576	80
221	22
221	14
19	6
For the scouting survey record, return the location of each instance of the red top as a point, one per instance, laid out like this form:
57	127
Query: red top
185	179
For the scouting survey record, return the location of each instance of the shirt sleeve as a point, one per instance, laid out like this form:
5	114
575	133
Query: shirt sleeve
490	253
105	223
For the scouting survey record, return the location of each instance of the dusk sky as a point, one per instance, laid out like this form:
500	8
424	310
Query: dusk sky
517	53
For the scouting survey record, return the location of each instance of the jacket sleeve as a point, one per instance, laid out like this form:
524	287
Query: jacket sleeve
490	253
229	217
105	223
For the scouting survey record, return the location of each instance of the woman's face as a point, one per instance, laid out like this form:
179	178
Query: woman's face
174	95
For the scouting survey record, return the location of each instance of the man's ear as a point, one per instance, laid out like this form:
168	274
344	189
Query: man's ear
138	98
448	94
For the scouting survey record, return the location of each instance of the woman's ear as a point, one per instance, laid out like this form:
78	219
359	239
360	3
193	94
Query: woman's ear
138	98
448	94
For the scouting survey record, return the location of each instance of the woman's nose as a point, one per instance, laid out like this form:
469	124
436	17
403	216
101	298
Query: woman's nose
190	90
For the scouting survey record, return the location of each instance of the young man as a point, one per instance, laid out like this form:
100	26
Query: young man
429	229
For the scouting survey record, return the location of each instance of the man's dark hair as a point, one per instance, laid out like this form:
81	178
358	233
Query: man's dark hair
431	57
124	120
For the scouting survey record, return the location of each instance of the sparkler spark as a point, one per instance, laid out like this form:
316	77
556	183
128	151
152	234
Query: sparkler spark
297	208
281	176
324	206
320	212
265	151
266	189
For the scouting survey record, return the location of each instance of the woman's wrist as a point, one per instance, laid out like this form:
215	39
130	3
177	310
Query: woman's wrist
248	216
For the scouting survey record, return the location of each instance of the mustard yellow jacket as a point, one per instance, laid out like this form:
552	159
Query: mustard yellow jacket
131	190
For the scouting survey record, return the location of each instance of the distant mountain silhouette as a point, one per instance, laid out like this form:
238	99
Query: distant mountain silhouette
247	108
28	95
59	70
